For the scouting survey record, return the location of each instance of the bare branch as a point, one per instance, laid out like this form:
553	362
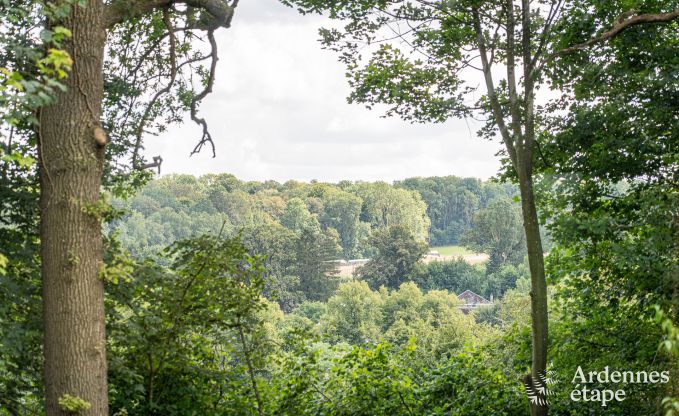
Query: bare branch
528	138
194	60
142	59
490	87
206	137
147	53
621	25
157	161
554	10
511	71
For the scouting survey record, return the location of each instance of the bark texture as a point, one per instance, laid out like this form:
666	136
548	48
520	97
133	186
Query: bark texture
71	161
538	293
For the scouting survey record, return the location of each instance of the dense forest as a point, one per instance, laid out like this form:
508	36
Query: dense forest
190	330
121	294
303	228
436	210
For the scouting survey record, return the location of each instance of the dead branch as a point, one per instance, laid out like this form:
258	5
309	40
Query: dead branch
206	137
157	161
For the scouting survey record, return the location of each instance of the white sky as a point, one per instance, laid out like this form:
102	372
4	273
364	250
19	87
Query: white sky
279	111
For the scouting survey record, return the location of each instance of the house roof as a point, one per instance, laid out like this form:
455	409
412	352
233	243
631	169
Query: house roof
470	297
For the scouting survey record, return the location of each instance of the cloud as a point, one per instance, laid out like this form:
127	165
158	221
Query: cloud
279	111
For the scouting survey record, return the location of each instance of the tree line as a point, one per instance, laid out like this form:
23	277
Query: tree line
438	210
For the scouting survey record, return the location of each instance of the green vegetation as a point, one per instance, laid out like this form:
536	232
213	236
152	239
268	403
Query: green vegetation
176	206
299	229
216	296
456	251
181	332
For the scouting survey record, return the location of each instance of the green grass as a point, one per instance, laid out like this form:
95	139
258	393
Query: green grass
452	250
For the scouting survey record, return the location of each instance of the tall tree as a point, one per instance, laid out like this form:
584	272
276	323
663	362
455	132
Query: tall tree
316	268
297	217
341	212
432	81
385	206
143	38
398	251
498	232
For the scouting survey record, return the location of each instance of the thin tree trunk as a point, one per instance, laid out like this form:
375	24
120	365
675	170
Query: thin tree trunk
70	232
519	147
538	293
251	369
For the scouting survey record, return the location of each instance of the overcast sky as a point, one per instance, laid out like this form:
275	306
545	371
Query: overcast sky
279	111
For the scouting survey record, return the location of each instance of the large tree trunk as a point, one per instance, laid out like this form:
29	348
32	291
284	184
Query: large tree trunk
71	164
538	292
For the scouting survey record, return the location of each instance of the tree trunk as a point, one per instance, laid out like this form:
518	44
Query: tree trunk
538	292
70	231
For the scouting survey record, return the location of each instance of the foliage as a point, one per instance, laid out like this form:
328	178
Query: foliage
341	211
20	288
398	252
296	226
297	217
670	344
32	65
498	231
452	203
385	206
465	385
176	206
380	380
73	405
190	331
316	253
603	339
177	334
346	381
508	277
609	191
613	212
354	314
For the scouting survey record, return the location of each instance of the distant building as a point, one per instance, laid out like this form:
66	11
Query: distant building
471	301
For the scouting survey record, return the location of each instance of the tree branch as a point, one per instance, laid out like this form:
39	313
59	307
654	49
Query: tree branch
173	75
120	11
490	87
207	137
621	25
554	10
527	141
511	72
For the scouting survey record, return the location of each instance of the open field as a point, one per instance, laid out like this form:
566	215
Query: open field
446	253
452	251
